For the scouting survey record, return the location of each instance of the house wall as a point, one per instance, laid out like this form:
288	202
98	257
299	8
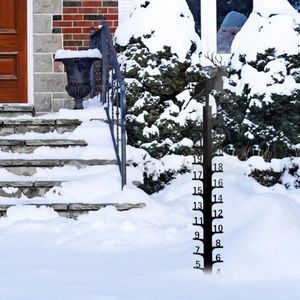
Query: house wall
59	24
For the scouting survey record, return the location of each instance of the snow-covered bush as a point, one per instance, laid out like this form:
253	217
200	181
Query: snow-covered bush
285	172
261	108
159	52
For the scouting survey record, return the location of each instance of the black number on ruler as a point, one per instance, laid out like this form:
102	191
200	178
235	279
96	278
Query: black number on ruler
198	221
197	175
218	213
197	160
218	244
198	206
197	252
218	257
218	228
197	265
218	198
197	236
219	152
197	191
218	167
218	183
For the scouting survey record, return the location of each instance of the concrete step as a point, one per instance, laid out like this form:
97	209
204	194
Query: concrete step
30	189
73	210
20	126
12	111
28	167
28	146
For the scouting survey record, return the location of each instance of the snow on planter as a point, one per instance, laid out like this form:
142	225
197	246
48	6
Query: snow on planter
90	53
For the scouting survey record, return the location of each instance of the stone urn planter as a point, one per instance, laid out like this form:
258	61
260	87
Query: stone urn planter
78	66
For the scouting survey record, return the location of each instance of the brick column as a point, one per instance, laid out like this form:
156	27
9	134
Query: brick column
79	16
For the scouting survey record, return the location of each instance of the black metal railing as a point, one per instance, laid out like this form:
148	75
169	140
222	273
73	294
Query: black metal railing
107	80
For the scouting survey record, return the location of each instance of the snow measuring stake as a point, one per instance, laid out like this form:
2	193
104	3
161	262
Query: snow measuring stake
208	198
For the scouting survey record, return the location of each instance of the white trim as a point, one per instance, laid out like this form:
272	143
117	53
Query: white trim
209	32
208	29
30	82
209	25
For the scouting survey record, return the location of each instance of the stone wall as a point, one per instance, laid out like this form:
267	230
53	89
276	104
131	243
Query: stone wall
49	78
61	24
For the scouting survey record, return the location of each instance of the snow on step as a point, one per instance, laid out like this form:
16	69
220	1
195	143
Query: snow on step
95	133
90	185
28	146
28	167
73	210
30	189
17	126
11	111
73	179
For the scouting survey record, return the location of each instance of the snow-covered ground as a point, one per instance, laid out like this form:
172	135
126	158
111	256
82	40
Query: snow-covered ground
147	253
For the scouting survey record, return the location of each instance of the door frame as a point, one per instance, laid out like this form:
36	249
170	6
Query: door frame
30	83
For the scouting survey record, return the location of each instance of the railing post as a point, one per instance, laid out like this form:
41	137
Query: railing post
104	65
92	77
123	134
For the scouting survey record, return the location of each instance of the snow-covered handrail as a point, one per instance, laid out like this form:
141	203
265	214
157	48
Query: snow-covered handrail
113	93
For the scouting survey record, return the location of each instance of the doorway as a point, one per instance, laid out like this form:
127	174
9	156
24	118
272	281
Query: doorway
13	51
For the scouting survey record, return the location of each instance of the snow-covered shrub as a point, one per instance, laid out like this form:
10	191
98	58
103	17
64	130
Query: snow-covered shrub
159	52
160	63
261	108
157	173
287	175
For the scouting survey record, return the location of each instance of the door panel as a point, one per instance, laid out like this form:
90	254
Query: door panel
13	51
8	42
7	15
8	67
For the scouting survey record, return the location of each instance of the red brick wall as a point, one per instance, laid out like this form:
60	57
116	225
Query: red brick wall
79	16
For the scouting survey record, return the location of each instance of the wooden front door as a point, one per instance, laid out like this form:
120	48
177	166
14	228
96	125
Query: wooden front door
13	51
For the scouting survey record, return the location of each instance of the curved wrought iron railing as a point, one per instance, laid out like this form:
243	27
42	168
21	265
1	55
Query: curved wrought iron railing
107	79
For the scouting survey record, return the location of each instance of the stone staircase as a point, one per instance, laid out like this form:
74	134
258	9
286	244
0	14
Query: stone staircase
23	167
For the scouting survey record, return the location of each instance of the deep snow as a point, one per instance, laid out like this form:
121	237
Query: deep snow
147	253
